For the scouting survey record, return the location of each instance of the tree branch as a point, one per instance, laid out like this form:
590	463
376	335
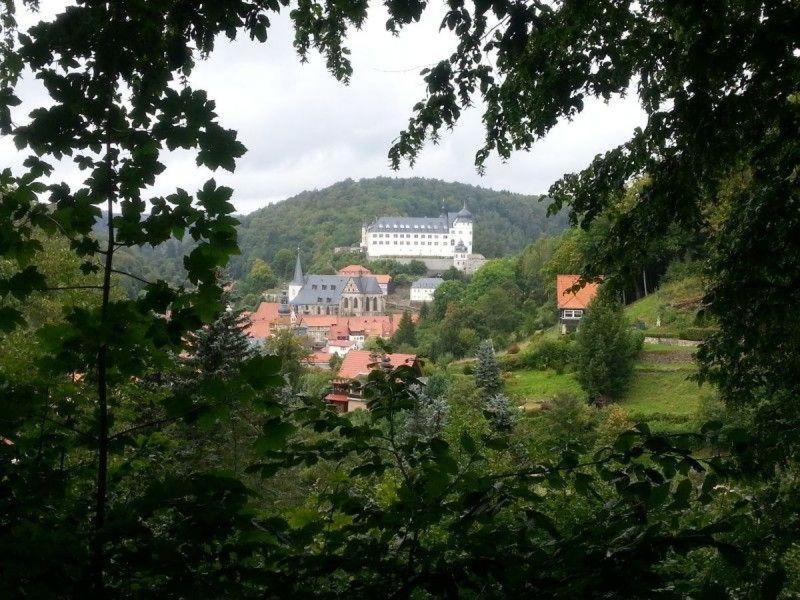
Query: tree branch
132	276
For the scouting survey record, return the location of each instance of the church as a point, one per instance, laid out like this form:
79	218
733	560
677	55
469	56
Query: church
346	295
448	236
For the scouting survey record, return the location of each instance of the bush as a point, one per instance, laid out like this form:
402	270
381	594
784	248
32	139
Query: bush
696	334
559	355
513	348
682	269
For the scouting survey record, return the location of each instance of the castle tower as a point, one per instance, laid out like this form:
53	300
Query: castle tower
462	228
298	280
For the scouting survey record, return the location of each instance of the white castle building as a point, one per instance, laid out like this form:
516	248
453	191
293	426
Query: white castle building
447	236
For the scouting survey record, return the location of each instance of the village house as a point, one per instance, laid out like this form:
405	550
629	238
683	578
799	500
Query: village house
422	289
321	330
346	394
571	304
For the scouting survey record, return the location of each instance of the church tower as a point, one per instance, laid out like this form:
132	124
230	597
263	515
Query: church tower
298	280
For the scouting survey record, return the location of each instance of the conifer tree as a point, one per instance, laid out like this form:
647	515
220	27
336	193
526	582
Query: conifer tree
487	371
406	331
219	348
607	348
424	311
499	412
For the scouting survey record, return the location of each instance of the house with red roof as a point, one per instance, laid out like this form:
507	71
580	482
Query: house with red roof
572	303
346	394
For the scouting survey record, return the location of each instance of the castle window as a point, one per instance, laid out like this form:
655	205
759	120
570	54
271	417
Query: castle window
313	286
319	300
355	302
344	303
324	287
333	287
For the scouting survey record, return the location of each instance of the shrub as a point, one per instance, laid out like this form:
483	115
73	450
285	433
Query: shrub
696	334
568	421
513	348
559	355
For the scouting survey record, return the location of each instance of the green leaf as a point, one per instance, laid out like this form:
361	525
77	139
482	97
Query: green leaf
544	522
275	432
262	372
10	318
467	442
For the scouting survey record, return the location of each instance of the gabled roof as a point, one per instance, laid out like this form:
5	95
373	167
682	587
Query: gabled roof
357	363
580	299
312	291
354	270
428	283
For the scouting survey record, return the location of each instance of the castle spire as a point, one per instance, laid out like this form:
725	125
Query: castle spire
298	270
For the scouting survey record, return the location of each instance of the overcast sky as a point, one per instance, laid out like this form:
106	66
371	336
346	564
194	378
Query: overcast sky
304	130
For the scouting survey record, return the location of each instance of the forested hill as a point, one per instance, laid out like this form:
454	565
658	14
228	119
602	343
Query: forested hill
321	220
318	221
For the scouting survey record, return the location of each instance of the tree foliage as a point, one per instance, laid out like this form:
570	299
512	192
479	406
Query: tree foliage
487	370
607	348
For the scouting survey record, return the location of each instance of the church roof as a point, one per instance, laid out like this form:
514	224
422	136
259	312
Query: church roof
298	270
326	290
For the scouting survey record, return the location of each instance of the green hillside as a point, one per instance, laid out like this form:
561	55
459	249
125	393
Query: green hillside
671	311
662	391
321	220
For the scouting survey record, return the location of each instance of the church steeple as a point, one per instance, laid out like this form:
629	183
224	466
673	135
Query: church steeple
298	270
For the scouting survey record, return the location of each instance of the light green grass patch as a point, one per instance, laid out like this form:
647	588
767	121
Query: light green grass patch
533	387
676	303
657	393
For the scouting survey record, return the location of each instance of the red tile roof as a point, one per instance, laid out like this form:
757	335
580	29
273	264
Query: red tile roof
263	320
383	279
354	270
319	320
357	363
318	358
569	299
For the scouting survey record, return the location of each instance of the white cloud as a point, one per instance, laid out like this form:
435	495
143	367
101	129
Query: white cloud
305	130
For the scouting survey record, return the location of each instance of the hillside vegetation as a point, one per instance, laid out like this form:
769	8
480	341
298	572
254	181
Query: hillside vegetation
672	310
320	220
662	391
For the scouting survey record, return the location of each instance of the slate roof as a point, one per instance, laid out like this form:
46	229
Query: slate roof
427	283
312	290
579	299
439	224
298	270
